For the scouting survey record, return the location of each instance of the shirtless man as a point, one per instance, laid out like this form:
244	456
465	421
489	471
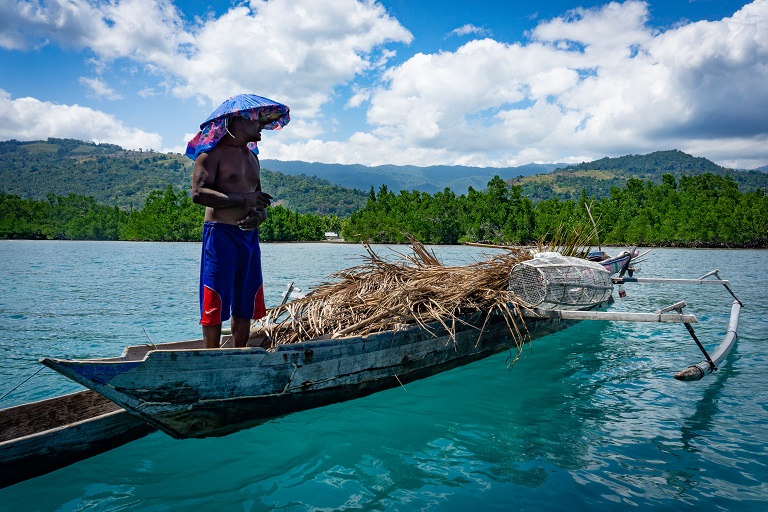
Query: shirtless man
226	181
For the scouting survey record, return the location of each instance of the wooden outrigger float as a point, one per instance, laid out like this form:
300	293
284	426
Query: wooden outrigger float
186	390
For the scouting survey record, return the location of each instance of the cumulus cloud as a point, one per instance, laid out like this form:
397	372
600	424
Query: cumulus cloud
359	96
146	30
31	119
590	83
67	23
594	82
297	51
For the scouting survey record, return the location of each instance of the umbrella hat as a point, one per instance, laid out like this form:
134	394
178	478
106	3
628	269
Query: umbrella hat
271	114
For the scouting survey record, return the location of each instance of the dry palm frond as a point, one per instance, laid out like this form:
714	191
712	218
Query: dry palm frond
380	294
416	289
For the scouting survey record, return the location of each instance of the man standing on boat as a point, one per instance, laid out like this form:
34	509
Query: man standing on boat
226	180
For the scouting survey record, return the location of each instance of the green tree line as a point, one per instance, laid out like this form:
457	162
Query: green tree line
703	210
167	216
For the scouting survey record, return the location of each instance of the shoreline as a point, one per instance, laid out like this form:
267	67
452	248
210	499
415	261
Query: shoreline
699	245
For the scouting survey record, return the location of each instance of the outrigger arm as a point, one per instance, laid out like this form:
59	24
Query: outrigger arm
691	373
710	363
611	316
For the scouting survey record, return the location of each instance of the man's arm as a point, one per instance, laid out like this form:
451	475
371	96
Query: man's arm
203	179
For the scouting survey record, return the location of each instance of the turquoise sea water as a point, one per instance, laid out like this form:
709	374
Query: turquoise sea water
589	419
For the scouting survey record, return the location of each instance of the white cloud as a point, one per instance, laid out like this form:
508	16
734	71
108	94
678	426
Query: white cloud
147	92
469	29
31	119
593	82
360	96
596	82
148	31
100	88
295	51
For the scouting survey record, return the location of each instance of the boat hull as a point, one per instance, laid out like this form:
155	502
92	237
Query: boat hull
201	393
44	436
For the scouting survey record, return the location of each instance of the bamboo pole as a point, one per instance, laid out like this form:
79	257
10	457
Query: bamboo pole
660	280
612	316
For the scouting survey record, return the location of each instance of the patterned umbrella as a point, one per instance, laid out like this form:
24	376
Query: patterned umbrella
271	114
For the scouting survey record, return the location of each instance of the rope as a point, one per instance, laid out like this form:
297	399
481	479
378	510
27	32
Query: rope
288	385
22	382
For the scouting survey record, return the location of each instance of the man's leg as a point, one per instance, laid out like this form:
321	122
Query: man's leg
217	266
241	330
212	335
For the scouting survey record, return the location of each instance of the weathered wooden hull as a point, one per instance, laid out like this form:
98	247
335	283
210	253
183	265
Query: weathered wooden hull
200	392
44	436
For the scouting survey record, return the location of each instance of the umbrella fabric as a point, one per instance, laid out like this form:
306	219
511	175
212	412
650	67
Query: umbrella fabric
271	114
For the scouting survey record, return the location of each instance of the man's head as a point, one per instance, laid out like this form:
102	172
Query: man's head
242	128
233	118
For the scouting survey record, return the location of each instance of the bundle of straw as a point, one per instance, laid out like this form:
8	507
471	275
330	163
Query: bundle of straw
380	294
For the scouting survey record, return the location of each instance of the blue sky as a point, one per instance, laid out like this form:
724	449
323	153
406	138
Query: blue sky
488	83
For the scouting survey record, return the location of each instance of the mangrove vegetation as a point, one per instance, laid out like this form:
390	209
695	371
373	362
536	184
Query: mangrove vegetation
707	210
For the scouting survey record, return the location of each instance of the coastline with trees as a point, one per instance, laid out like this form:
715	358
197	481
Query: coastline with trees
706	210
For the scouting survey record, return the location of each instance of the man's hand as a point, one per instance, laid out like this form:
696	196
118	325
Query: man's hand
254	219
258	200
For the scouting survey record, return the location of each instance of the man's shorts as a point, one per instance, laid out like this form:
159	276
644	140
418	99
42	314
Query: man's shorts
230	274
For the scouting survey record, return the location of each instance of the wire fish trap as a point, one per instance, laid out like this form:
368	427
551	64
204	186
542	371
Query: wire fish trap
553	281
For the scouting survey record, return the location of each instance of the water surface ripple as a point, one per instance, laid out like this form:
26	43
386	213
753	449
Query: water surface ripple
589	418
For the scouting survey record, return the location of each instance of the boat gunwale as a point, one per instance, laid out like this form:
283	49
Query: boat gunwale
102	406
298	346
63	427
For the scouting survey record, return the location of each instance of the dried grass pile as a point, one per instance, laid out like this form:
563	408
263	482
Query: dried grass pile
379	294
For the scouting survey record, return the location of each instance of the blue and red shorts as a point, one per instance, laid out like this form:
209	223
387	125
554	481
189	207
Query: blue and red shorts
231	283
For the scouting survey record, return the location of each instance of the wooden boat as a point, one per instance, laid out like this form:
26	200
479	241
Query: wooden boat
41	437
47	435
617	264
186	390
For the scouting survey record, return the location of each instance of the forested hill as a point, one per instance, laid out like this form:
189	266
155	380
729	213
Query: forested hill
599	176
431	179
117	177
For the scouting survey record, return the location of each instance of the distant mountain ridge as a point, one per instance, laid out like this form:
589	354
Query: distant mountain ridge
115	176
430	179
599	176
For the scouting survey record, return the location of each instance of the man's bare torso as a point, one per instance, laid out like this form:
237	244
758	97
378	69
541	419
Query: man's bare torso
238	171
